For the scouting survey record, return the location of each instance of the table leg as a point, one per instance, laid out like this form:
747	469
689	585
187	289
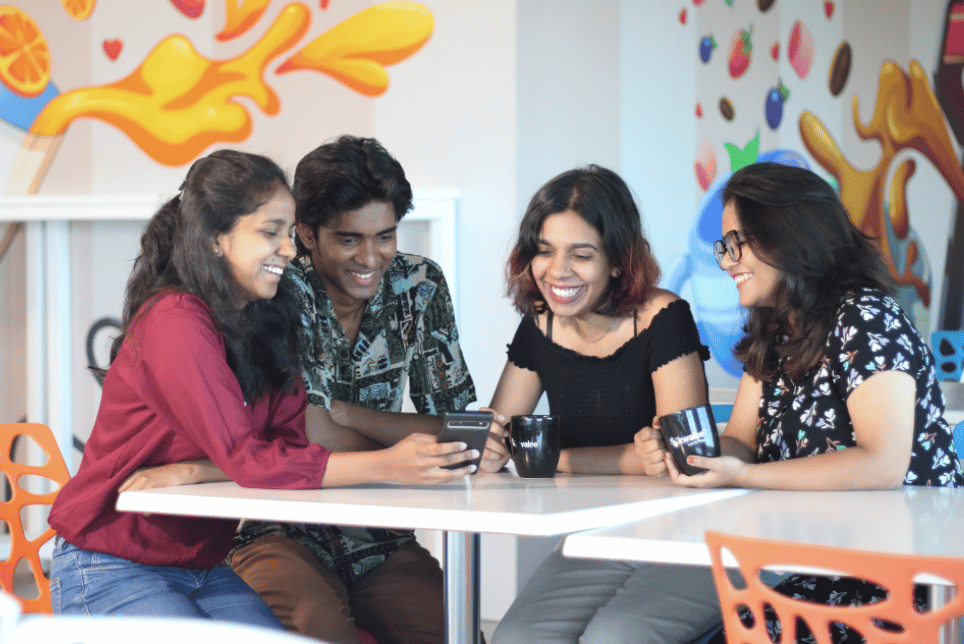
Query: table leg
461	587
950	631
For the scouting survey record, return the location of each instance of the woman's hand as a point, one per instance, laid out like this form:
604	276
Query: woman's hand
183	473
721	471
496	454
651	450
419	459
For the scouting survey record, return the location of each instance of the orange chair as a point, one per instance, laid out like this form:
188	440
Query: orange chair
895	573
54	469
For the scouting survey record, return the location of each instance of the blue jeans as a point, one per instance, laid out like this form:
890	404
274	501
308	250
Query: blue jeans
92	583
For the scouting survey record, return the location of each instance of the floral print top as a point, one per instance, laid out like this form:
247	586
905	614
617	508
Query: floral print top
810	416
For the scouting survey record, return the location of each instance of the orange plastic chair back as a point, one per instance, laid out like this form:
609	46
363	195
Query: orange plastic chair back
54	469
895	573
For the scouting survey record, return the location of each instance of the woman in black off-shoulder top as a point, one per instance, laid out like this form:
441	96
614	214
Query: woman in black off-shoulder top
611	351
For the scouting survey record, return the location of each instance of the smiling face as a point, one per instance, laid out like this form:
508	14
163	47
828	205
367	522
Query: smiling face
756	281
259	246
353	251
570	268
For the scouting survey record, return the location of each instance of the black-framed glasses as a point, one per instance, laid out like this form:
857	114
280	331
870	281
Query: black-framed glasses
732	245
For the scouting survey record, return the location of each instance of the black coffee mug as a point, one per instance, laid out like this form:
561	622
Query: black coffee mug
534	445
690	432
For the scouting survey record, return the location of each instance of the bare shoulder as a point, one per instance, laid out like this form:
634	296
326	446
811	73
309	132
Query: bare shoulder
660	299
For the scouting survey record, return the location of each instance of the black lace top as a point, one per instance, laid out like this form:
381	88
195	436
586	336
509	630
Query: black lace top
605	401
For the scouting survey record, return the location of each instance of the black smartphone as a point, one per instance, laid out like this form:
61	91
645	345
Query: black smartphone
470	427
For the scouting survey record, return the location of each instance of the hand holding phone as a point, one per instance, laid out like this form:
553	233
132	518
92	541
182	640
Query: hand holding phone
469	427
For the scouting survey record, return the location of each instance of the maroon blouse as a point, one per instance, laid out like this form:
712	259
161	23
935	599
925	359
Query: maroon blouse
170	396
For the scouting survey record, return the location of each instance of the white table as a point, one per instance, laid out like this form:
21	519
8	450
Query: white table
497	503
909	520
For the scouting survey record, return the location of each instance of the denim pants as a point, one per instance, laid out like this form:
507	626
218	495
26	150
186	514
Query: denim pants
92	583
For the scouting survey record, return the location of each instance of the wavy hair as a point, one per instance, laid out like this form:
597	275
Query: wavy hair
177	256
795	222
603	199
347	174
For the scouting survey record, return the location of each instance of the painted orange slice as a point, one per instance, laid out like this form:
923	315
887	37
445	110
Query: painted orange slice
78	9
24	55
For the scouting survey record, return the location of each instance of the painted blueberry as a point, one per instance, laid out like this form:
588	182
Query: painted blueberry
773	108
707	45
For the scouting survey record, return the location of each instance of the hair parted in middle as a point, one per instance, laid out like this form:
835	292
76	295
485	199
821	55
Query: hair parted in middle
347	174
794	221
604	201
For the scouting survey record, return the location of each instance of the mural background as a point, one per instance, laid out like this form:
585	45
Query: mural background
503	95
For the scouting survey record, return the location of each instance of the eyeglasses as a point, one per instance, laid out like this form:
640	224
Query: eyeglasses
732	245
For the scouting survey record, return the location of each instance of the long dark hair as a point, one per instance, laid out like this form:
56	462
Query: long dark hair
603	199
177	256
794	221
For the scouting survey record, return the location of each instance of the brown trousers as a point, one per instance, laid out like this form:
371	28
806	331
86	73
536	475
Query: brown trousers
399	602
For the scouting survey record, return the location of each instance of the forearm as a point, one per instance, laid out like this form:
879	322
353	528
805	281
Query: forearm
608	459
730	446
854	468
341	439
354	468
383	427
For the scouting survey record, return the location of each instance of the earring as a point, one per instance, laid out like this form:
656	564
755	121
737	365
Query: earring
217	252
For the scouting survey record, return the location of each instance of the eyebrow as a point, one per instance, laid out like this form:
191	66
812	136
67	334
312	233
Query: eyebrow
573	246
281	221
348	233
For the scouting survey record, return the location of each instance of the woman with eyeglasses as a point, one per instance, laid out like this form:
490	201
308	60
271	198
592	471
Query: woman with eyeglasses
839	390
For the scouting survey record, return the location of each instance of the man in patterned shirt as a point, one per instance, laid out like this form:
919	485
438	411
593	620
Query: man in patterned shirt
372	318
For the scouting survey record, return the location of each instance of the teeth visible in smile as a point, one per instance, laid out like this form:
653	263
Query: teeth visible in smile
363	276
565	292
742	277
277	270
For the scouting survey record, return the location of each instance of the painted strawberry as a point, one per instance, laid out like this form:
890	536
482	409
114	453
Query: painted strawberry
740	50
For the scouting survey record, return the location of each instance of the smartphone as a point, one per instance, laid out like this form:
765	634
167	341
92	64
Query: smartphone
470	427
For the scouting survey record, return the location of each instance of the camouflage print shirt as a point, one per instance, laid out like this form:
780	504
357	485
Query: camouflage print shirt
407	333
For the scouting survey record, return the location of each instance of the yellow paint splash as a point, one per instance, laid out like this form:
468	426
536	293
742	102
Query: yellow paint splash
906	116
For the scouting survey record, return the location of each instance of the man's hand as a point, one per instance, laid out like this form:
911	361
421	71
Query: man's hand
496	454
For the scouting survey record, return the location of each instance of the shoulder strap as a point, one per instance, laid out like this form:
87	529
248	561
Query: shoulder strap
635	330
549	324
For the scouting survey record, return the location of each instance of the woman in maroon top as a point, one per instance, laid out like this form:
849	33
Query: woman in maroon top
205	368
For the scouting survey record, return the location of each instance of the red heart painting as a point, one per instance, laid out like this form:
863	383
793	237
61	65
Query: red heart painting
324	4
113	48
775	51
828	8
682	17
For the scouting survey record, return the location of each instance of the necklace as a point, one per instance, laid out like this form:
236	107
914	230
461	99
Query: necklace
604	334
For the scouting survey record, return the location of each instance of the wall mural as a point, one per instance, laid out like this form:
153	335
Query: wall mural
177	102
908	115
